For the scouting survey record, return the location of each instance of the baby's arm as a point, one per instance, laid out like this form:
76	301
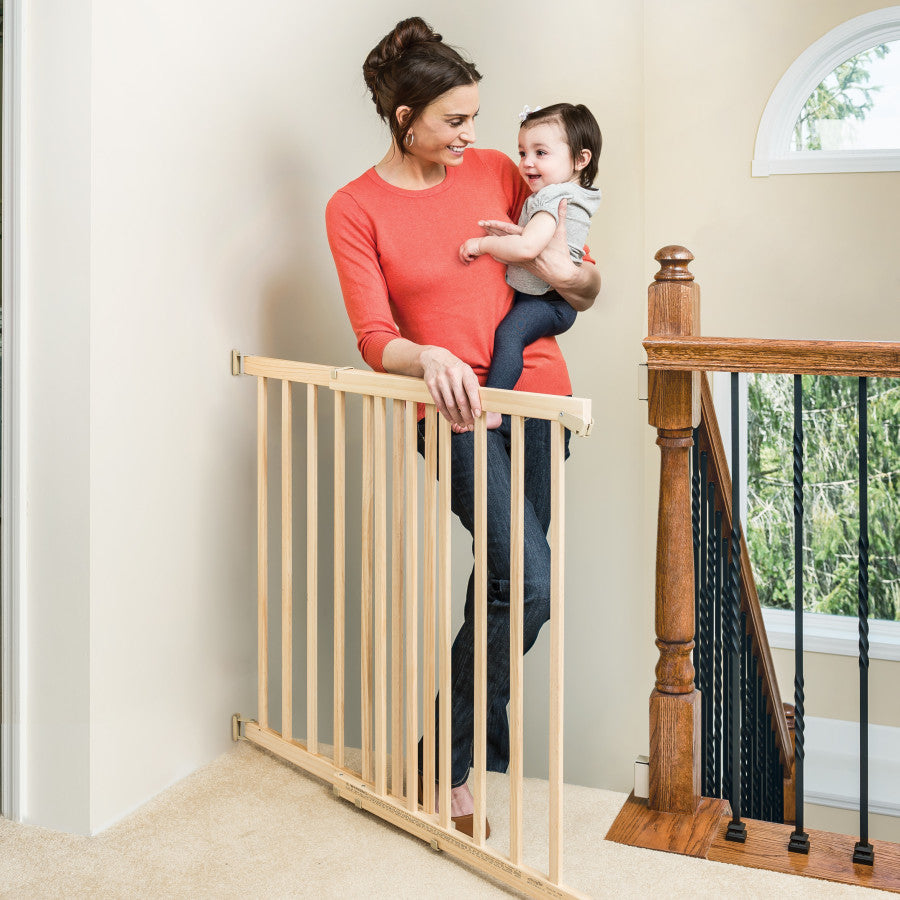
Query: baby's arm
513	248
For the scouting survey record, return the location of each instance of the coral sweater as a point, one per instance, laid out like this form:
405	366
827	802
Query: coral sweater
397	258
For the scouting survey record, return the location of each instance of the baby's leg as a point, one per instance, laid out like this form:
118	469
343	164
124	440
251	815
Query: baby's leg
531	317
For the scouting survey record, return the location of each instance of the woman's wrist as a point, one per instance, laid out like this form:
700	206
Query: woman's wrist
579	287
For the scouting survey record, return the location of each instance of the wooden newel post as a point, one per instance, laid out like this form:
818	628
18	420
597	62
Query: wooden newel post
674	404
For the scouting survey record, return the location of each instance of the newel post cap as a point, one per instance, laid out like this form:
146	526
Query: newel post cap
673	263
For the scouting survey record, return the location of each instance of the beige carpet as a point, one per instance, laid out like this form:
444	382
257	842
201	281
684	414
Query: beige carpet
250	825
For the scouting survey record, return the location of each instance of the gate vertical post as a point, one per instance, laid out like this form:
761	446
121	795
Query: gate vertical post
674	410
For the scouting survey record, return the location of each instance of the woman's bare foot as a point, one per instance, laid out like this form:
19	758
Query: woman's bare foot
461	802
493	420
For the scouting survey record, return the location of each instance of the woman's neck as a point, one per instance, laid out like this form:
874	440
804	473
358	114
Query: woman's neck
403	170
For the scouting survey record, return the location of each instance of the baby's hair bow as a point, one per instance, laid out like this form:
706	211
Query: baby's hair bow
527	112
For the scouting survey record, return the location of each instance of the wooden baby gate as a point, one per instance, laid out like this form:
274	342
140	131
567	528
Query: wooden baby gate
396	800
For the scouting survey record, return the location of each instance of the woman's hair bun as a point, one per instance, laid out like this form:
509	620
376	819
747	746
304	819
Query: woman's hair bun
412	66
393	45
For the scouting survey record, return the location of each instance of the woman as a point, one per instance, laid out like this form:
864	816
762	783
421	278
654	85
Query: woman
417	310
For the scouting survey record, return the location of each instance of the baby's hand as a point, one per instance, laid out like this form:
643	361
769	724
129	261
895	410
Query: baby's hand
470	250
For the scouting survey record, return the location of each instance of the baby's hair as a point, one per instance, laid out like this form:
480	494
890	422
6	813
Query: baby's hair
581	130
412	66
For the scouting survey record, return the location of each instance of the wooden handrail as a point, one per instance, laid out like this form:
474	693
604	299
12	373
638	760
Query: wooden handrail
573	412
710	442
719	354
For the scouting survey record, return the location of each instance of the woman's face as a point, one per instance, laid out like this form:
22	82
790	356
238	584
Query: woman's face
446	127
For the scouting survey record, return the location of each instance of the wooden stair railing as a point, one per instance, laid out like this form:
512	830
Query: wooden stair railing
676	817
679	401
780	716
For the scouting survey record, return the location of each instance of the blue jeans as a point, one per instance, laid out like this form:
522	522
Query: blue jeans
531	317
536	584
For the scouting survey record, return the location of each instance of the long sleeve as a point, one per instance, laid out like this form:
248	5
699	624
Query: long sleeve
352	240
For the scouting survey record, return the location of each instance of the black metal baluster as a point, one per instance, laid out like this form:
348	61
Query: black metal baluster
736	829
754	733
863	853
799	842
708	649
759	753
769	805
717	652
695	529
702	617
777	779
746	722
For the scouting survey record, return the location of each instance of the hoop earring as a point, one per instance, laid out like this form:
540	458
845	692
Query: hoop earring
408	140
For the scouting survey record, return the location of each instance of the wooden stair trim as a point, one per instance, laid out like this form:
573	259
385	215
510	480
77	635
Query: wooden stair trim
710	441
830	856
688	835
702	836
678	353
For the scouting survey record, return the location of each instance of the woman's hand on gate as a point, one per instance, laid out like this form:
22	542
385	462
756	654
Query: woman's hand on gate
453	386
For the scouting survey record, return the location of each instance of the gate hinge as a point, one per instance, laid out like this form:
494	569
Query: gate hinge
237	363
576	425
236	722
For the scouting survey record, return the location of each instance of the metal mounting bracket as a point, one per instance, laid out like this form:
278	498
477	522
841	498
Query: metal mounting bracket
237	363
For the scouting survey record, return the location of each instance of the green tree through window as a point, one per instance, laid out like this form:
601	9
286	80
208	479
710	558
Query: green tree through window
831	493
844	95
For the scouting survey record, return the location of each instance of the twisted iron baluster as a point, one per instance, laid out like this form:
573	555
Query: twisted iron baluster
746	721
799	841
717	652
695	529
771	774
702	619
759	752
708	657
736	829
863	852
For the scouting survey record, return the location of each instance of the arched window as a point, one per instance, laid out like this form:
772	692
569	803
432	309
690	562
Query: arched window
837	108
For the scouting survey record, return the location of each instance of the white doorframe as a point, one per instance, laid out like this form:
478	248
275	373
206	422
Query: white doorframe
10	539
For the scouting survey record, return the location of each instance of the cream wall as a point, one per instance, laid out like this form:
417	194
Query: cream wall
799	256
179	159
54	418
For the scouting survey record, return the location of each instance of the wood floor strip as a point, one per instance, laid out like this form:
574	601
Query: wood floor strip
703	836
638	826
830	856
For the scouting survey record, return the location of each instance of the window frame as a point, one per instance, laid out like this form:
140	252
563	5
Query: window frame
822	632
772	154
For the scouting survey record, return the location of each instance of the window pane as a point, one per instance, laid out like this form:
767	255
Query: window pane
857	107
830	494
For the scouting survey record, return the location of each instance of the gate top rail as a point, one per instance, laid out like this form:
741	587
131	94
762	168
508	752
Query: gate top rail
573	412
879	359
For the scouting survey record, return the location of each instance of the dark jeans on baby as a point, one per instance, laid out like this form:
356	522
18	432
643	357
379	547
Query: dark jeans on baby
536	582
530	318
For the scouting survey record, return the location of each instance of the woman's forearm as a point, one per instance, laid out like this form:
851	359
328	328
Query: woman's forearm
451	382
581	289
403	357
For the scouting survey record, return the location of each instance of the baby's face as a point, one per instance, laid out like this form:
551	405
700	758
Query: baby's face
544	155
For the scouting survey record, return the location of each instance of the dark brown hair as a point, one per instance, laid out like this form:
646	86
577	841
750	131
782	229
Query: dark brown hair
412	66
581	130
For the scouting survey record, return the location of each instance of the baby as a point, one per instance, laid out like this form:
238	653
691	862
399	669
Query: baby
558	150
